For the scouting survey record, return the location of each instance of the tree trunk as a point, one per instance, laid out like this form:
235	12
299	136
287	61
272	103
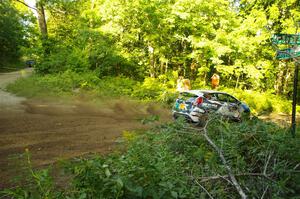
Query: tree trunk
151	61
237	81
166	71
42	20
286	82
92	4
43	26
161	70
280	80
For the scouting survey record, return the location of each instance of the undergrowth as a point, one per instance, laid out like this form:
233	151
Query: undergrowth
161	89
176	161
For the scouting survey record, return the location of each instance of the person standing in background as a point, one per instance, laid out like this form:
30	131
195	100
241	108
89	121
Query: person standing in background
183	84
215	81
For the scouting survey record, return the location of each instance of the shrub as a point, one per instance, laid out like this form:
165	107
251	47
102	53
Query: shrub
262	103
116	86
150	88
63	59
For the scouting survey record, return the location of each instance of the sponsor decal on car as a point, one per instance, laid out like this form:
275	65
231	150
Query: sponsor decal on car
182	106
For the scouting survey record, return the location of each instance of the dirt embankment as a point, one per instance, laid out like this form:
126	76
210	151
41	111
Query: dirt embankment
55	129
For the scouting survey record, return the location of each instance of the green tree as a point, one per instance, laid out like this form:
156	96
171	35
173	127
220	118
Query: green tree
14	33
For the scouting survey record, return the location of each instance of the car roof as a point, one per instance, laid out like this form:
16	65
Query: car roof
201	92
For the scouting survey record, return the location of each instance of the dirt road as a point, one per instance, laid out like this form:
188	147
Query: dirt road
59	129
7	100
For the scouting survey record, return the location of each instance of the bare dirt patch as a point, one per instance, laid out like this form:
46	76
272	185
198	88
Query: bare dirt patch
280	119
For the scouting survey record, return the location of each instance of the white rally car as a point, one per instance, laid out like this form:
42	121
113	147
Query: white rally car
195	105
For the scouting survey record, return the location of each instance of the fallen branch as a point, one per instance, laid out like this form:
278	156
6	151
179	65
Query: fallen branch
204	189
217	177
220	153
267	163
263	195
296	166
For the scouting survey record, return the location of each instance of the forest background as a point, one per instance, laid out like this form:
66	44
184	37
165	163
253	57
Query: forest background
160	39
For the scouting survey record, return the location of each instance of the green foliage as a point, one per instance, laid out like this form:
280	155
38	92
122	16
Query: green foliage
39	184
63	60
141	38
171	160
133	175
150	88
116	86
73	83
14	34
63	83
262	103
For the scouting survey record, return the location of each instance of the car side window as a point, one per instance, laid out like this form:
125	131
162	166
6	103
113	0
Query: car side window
231	99
188	95
214	97
222	97
226	98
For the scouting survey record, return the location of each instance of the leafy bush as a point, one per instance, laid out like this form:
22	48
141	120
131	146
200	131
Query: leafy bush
63	59
39	184
116	86
176	161
150	88
261	103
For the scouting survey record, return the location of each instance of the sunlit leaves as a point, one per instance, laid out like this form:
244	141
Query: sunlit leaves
186	36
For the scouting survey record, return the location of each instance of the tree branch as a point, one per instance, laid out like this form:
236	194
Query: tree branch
205	179
204	189
263	195
220	153
19	1
296	166
231	176
267	163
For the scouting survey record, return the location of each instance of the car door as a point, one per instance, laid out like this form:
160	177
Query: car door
230	105
185	102
211	102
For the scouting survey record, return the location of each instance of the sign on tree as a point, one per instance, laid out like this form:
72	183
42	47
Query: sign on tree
290	39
